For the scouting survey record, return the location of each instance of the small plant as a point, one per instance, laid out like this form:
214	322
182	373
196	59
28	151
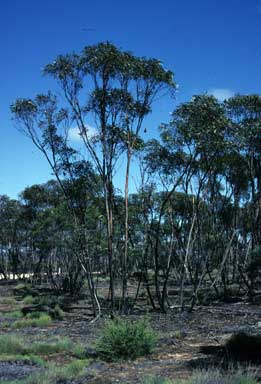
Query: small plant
123	339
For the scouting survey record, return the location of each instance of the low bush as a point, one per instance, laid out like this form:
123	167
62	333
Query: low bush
123	339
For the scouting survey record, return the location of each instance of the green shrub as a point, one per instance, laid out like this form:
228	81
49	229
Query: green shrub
42	321
123	339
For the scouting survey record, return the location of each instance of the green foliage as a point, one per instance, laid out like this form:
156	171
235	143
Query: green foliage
123	339
8	300
29	299
79	351
13	315
11	344
33	320
23	290
48	348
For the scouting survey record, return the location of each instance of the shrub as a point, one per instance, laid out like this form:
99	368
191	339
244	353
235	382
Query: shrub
123	339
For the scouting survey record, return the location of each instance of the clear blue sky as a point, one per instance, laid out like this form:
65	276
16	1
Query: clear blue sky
211	46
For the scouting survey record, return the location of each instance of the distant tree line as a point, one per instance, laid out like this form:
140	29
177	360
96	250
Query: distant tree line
195	219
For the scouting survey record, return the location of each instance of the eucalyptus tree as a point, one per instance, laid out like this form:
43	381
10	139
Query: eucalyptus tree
11	235
189	159
245	133
112	89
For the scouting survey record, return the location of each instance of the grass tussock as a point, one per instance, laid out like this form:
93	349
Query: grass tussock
14	345
29	321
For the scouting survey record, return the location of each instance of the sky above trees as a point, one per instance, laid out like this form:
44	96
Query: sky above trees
212	46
